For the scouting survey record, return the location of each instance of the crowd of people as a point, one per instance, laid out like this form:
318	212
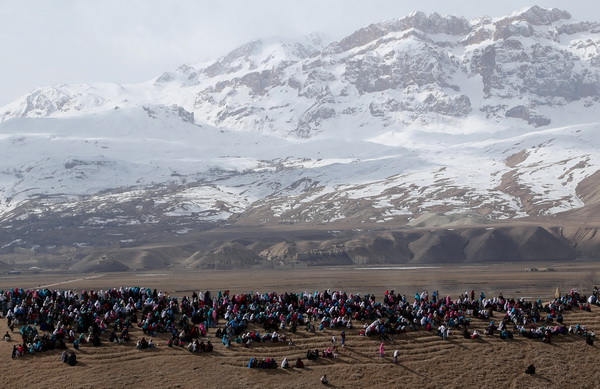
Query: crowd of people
532	319
51	319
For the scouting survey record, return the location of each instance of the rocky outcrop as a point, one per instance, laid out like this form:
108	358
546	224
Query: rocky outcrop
433	24
522	112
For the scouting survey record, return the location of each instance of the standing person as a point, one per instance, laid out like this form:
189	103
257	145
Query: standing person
395	359
381	349
343	335
444	331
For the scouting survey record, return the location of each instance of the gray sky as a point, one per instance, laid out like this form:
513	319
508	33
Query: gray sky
45	42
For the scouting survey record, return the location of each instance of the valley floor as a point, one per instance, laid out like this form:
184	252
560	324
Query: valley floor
511	279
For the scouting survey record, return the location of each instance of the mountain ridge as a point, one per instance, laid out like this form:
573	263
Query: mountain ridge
491	119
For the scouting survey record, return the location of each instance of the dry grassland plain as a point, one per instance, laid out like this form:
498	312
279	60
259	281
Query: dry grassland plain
426	361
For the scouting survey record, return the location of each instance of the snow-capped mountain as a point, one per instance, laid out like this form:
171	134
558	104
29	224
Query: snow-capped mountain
482	120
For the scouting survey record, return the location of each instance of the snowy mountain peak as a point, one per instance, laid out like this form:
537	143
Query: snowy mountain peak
536	16
493	117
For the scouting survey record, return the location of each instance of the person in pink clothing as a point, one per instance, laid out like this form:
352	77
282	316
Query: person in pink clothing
381	349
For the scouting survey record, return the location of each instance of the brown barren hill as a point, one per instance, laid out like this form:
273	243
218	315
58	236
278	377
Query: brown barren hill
492	245
442	246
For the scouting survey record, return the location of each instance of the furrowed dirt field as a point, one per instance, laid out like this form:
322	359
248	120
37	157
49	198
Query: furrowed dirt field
426	361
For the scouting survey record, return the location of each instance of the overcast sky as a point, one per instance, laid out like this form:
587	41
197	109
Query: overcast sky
46	42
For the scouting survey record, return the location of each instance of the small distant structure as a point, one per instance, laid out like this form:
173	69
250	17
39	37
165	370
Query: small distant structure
542	269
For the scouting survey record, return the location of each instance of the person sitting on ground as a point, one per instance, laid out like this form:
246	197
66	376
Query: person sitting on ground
72	359
269	363
299	363
142	344
60	344
285	364
312	355
530	369
547	337
7	337
226	341
113	338
506	334
589	340
124	335
324	379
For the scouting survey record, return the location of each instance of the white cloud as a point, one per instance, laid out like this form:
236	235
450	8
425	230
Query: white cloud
45	42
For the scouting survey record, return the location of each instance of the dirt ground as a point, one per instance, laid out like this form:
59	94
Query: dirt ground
510	279
426	361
